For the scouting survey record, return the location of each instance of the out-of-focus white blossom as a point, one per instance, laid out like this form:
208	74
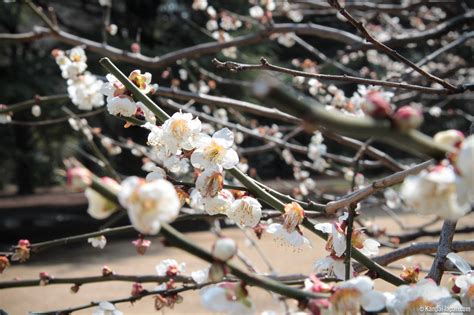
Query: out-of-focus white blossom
100	207
355	293
149	204
436	192
106	308
224	248
227	298
424	294
98	242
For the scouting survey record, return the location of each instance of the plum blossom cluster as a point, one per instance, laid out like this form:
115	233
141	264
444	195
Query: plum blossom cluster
336	244
120	101
83	87
445	189
180	140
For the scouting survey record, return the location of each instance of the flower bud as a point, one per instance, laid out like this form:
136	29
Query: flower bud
135	47
106	271
137	289
141	245
75	288
377	106
224	249
407	117
36	110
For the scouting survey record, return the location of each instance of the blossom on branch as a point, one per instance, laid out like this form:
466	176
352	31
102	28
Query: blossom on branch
149	204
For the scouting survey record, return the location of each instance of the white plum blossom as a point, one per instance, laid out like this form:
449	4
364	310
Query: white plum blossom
355	293
256	12
435	192
337	238
246	211
155	173
84	91
210	183
465	165
451	137
98	242
122	105
200	276
100	207
424	294
180	132
106	308
463	284
215	152
337	242
219	204
149	204
316	150
227	298
392	199
332	266
195	200
36	110
170	268
199	5
286	39
288	233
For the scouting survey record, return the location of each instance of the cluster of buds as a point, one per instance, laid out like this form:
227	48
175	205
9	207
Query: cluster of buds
404	118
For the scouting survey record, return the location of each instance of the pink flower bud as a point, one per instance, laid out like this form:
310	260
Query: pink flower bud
24	243
407	117
135	47
141	245
377	106
224	249
137	289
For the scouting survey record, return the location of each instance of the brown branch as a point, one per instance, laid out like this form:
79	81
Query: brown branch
407	237
391	52
377	185
265	65
444	247
416	249
227	103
